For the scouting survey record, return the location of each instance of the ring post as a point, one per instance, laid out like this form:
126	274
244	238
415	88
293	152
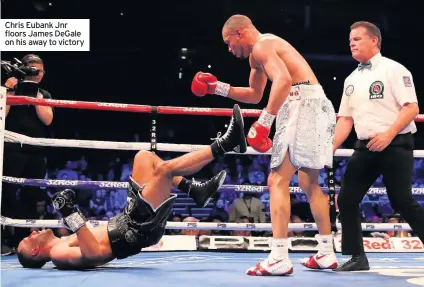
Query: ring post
3	96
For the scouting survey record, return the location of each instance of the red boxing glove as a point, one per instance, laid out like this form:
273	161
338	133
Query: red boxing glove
258	134
206	83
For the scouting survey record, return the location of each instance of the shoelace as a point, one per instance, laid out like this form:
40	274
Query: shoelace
229	130
199	183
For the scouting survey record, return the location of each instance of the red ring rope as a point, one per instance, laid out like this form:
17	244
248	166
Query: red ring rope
20	100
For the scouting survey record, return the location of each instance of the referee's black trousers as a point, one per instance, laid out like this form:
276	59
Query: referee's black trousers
396	164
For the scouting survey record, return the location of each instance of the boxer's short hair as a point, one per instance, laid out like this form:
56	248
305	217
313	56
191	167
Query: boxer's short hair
372	29
28	262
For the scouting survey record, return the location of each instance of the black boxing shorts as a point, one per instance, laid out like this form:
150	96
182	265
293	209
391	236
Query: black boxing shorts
139	225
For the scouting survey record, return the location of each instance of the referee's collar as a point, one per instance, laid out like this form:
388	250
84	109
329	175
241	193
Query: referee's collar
375	60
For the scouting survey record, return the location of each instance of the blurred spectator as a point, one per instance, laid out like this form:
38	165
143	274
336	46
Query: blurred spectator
68	172
219	210
190	231
98	202
205	231
248	206
42	214
175	218
242	219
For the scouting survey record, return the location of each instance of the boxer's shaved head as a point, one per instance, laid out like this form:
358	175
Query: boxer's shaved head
238	22
239	34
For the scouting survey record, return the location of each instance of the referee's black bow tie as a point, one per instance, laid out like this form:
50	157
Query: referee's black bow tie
366	65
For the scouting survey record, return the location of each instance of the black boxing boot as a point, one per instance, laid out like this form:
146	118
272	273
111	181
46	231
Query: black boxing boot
356	263
234	139
202	192
64	202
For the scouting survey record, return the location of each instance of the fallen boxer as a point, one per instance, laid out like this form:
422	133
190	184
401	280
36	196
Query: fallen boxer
143	221
305	122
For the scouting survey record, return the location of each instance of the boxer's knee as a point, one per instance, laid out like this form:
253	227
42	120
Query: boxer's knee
144	157
276	182
308	182
164	169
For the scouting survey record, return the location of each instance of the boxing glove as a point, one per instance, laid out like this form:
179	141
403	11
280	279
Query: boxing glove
258	136
64	202
206	83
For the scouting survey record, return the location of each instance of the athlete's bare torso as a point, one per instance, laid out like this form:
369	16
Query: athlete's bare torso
297	66
101	235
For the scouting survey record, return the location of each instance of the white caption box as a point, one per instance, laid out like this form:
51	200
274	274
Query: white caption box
45	35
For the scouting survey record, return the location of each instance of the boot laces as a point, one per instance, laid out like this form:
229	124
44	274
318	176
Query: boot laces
199	183
227	133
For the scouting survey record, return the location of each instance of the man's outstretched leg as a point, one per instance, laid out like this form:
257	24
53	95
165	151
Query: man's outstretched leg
320	207
145	163
278	262
158	187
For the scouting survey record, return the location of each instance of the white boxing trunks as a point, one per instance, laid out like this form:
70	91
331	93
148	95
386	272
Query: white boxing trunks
305	128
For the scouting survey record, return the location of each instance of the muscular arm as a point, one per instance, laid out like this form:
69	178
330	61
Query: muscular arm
252	94
265	54
87	254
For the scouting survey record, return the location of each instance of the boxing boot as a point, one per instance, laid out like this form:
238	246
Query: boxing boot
356	263
281	267
234	139
202	192
321	261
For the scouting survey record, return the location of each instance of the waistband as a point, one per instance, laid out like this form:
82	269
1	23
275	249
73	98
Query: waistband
405	140
301	83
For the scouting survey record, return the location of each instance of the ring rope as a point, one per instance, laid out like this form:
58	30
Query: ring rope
13	137
203	225
23	100
61	183
111	145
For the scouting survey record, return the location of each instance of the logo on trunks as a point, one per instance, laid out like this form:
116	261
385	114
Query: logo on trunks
349	90
130	236
294	94
376	90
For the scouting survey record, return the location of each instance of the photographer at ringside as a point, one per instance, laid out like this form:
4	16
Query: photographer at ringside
21	160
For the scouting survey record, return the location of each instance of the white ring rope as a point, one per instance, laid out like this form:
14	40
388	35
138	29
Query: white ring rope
204	225
22	139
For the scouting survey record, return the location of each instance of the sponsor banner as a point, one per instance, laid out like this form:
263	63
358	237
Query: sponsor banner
174	243
407	244
392	244
253	243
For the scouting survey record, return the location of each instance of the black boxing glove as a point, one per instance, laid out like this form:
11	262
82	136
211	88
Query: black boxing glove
64	202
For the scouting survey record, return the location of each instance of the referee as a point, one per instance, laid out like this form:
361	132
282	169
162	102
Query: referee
379	99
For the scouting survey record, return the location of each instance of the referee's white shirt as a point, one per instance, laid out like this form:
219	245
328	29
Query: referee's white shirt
374	97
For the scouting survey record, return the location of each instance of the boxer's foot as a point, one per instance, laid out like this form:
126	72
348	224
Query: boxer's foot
202	192
321	261
269	267
234	139
356	263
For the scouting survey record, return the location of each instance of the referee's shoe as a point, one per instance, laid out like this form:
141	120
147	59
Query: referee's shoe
356	263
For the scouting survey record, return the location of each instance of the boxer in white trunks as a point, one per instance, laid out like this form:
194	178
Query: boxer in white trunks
305	123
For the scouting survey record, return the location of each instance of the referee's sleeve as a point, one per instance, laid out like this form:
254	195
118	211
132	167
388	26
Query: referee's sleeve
403	88
344	110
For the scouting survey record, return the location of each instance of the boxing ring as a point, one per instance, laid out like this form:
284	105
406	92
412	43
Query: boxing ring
207	260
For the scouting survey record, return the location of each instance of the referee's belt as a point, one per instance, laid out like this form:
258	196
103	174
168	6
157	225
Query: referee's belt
401	140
